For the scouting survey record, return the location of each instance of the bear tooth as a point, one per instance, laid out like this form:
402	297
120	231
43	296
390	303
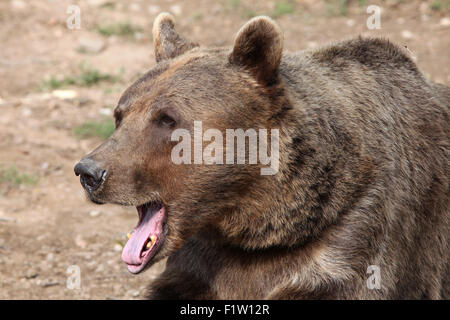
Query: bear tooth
153	238
149	244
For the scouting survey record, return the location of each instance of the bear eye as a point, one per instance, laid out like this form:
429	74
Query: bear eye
166	120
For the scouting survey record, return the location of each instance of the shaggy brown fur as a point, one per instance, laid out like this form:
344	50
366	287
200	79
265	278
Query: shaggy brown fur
363	177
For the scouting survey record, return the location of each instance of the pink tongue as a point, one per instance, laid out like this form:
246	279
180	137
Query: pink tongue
149	224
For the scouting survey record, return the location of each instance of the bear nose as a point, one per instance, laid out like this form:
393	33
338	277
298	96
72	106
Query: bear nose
91	175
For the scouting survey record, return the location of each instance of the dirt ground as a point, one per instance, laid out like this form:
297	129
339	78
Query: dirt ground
58	87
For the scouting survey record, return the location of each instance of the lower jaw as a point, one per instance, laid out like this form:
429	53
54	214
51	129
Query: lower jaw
146	238
148	262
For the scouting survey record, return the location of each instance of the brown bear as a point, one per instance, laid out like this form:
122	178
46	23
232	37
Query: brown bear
358	206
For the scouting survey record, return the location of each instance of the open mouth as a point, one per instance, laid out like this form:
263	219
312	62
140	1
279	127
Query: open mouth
146	238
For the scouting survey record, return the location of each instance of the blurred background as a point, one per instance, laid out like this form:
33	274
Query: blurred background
59	85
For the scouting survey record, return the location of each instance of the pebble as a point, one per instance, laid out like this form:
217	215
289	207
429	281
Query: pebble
79	241
18	4
100	268
48	283
31	274
64	94
139	36
117	247
153	9
29	99
312	44
176	9
50	257
132	293
135	7
26	112
407	34
105	111
94	213
97	3
83	101
445	22
90	45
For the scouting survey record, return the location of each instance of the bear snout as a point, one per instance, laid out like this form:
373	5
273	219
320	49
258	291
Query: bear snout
92	176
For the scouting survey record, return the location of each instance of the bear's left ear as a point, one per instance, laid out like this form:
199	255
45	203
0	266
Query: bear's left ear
168	43
258	48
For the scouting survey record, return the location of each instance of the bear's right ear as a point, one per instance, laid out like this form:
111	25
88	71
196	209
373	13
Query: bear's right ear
258	48
168	43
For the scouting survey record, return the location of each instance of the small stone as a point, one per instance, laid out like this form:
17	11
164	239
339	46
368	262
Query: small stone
65	94
89	45
113	39
100	268
18	4
31	274
312	44
132	293
50	257
26	112
407	34
32	98
97	3
83	101
176	9
105	111
139	36
79	241
153	9
117	247
445	22
350	22
135	7
94	213
49	283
